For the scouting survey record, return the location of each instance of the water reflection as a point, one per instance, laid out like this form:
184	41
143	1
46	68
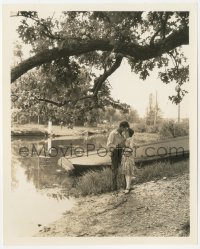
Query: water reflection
34	208
43	170
40	193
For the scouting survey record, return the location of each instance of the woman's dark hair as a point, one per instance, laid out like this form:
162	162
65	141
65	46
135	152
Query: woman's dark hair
124	124
130	132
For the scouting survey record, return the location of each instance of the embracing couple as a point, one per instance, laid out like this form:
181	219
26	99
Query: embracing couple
120	142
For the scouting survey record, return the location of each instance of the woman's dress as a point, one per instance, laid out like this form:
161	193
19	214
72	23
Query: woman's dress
128	158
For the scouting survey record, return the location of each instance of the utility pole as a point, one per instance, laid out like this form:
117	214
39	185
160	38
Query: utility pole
178	89
179	112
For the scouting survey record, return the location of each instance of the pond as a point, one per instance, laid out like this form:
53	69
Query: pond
39	190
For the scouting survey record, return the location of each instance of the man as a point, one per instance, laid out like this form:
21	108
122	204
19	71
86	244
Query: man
115	143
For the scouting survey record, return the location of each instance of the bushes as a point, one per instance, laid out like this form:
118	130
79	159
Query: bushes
142	127
23	119
142	138
161	169
98	182
94	182
153	128
164	129
172	129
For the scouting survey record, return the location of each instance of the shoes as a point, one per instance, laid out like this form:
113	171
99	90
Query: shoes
127	191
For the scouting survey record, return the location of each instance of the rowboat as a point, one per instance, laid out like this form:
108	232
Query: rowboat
170	149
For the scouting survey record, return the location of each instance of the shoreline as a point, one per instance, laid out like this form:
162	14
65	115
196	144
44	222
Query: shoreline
35	130
154	208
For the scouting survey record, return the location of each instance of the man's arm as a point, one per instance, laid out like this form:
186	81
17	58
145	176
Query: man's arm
110	142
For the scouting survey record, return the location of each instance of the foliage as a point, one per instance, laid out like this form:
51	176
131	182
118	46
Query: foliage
57	81
132	116
172	129
153	114
165	128
98	182
74	54
142	127
161	169
145	138
112	115
153	117
23	119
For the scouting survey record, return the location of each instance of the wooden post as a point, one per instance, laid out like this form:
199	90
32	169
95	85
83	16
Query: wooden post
49	145
49	127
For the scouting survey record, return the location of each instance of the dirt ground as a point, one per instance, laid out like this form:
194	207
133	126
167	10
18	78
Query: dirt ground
156	208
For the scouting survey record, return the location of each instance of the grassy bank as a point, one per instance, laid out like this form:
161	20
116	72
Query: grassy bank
41	130
30	129
161	169
98	182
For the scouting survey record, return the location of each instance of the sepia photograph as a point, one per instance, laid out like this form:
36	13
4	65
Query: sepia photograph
100	123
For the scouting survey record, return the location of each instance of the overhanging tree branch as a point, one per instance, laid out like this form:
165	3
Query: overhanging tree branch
116	104
164	24
65	102
138	52
154	36
174	60
162	27
97	86
59	104
99	82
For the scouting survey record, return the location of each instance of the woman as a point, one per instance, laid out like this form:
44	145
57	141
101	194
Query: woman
128	161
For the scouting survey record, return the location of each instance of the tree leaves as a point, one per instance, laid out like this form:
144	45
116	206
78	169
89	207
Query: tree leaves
142	68
67	78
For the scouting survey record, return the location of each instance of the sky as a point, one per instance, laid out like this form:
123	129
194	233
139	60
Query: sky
130	89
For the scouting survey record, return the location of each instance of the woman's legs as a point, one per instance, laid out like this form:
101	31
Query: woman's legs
128	178
128	181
